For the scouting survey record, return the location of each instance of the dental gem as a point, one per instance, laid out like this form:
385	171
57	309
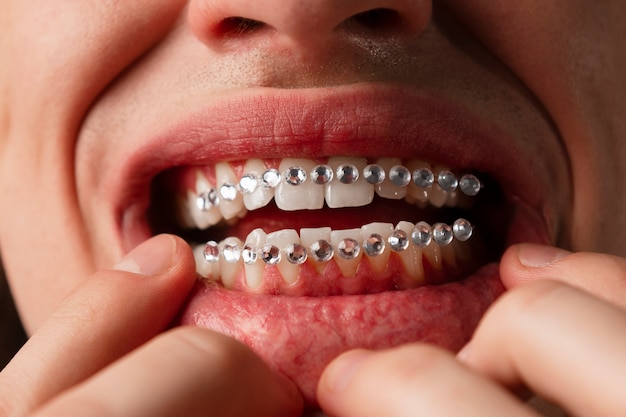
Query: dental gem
374	245
321	174
442	233
248	184
231	252
374	174
228	192
462	230
295	176
348	249
249	254
398	241
447	181
207	200
423	178
270	254
470	185
270	178
322	251
422	234
400	176
211	252
347	173
296	254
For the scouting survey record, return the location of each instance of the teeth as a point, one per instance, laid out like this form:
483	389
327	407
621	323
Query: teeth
231	201
204	204
231	261
389	188
253	265
312	239
348	250
297	191
374	237
442	234
348	188
411	257
282	239
261	196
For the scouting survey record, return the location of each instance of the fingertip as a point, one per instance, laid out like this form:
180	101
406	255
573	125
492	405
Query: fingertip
526	262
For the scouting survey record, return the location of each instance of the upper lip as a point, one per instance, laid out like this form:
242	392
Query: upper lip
359	120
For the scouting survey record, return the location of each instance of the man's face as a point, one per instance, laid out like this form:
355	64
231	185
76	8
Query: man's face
117	117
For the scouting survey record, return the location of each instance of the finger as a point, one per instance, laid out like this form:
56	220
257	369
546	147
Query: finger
563	343
185	372
408	381
599	274
112	313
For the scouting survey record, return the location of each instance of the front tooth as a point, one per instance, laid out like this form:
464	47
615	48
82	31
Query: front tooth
356	194
388	189
203	268
305	196
281	239
310	236
261	196
231	200
411	258
231	261
348	251
208	215
372	234
252	263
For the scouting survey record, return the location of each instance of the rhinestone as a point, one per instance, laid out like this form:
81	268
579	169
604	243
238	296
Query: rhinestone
374	245
321	174
347	173
270	178
322	251
462	229
294	176
228	192
423	178
470	185
249	254
442	233
374	174
348	249
398	241
211	252
400	176
270	254
248	184
422	234
207	200
296	254
231	252
447	181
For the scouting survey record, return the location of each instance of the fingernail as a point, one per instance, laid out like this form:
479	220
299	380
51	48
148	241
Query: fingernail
152	257
536	256
344	368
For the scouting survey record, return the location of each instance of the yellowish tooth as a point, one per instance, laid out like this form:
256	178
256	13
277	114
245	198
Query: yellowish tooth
411	258
231	200
434	256
448	256
384	230
453	199
306	196
261	196
360	193
202	218
254	270
437	196
387	189
231	262
281	239
415	192
308	236
348	266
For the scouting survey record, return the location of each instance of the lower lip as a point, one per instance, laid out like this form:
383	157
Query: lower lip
299	336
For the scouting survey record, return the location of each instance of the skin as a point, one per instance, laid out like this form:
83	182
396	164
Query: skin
553	68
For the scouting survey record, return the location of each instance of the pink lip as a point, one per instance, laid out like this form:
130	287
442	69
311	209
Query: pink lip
299	335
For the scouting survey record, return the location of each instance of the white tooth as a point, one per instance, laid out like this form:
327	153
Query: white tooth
281	239
348	267
418	193
387	189
225	178
203	268
261	196
357	194
411	258
308	236
202	218
306	196
231	261
254	271
378	263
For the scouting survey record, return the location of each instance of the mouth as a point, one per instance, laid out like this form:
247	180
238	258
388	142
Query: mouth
370	217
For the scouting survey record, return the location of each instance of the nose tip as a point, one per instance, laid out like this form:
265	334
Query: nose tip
305	22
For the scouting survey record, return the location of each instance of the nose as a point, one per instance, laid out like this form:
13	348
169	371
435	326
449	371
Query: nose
304	23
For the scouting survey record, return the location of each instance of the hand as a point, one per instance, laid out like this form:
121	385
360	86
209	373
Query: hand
102	352
560	331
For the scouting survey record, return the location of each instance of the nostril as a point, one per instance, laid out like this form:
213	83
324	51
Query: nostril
234	26
379	20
